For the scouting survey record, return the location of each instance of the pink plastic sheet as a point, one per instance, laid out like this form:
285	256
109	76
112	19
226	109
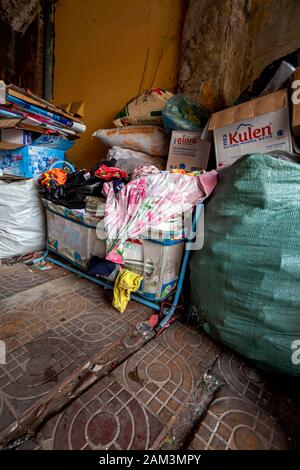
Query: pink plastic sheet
147	201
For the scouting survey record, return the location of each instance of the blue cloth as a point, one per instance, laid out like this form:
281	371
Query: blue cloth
101	267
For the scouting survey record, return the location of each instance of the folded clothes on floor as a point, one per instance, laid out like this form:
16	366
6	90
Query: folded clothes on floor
126	282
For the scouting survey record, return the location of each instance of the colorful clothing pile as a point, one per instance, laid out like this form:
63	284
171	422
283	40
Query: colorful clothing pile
71	190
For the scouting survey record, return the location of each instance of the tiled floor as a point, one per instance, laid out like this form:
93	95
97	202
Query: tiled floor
163	374
53	322
106	416
50	330
235	423
19	278
245	413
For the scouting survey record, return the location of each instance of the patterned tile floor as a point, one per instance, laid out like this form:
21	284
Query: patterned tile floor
250	411
50	330
106	416
53	322
141	395
163	374
18	278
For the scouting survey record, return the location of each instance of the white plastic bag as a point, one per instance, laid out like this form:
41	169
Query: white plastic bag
22	218
148	139
128	159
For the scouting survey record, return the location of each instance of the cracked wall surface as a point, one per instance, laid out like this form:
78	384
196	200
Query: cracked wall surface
19	14
22	44
227	43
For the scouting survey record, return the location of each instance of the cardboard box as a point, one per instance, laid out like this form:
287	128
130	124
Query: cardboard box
188	151
257	126
159	264
31	160
14	138
296	107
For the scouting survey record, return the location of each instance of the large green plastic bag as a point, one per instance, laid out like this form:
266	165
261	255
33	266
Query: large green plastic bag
245	287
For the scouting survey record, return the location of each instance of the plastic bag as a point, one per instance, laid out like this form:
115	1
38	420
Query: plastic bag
128	159
144	109
245	280
22	219
148	139
180	113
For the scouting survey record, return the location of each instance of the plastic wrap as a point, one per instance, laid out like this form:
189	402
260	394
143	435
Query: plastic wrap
147	201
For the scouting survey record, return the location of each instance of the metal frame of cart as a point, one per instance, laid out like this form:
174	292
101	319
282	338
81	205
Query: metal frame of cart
167	311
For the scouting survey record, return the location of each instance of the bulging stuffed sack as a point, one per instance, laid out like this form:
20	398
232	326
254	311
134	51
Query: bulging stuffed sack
245	280
144	109
147	139
128	159
22	219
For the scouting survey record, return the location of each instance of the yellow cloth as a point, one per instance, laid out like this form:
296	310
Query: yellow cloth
180	171
126	282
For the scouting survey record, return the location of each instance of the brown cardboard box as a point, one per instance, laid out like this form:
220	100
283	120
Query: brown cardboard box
12	138
257	126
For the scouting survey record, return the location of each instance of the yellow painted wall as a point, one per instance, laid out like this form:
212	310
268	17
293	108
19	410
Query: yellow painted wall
106	52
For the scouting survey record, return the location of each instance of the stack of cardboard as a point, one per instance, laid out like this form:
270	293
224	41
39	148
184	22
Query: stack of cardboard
34	133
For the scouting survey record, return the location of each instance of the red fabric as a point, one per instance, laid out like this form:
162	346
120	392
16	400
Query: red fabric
109	172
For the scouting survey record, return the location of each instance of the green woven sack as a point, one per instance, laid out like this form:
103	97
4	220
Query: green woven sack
245	286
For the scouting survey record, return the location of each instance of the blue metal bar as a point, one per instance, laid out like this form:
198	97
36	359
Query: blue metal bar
169	313
101	282
42	258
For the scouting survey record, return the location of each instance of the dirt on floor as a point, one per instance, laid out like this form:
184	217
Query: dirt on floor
79	376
